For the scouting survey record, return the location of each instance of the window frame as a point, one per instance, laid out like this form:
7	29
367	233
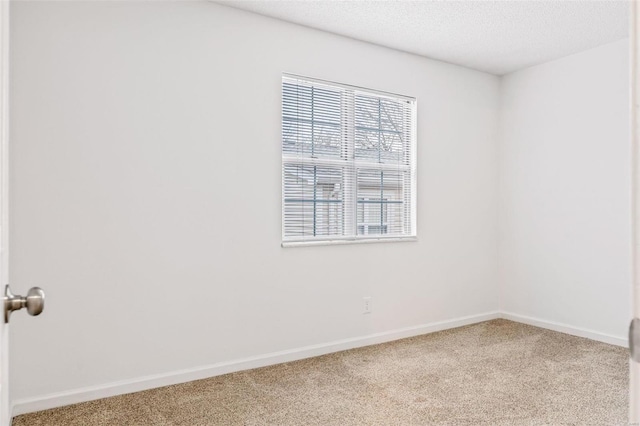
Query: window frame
353	164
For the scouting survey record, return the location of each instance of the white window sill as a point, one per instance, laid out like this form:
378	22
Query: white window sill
286	244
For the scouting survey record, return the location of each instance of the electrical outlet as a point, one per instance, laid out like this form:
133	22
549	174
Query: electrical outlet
368	305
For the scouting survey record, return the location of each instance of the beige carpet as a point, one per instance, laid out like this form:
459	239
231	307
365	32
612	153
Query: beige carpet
494	373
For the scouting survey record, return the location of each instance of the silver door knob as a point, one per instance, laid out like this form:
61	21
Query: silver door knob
34	302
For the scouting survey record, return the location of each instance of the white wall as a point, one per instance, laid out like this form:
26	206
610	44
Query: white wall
146	193
565	191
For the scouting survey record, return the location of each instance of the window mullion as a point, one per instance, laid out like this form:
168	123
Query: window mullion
348	125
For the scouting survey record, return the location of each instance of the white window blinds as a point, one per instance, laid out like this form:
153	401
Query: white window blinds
348	163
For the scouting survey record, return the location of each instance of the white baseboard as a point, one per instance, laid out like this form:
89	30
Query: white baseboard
567	329
75	396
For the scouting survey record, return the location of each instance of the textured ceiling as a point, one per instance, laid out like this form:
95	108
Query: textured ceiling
493	36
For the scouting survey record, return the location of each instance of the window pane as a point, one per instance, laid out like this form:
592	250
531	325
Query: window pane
379	129
380	202
311	121
313	203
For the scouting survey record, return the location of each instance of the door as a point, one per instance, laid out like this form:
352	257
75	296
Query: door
634	329
5	409
34	301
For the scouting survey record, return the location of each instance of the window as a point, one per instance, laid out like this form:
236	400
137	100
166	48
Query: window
348	163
